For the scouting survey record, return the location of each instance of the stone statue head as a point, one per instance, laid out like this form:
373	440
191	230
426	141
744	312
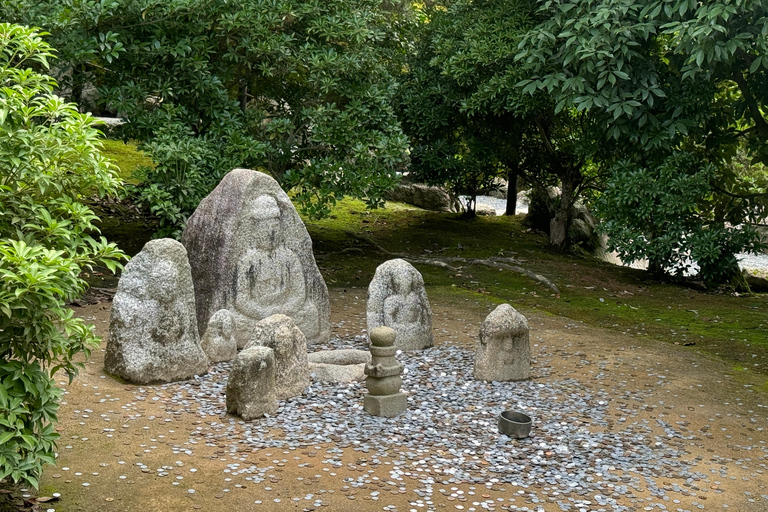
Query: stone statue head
163	281
265	222
401	283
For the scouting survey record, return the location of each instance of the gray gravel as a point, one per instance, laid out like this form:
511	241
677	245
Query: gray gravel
451	427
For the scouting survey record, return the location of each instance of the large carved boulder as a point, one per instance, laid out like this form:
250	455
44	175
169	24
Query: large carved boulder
153	333
251	254
397	299
279	333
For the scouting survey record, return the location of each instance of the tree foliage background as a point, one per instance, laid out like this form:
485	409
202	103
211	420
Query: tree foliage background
301	90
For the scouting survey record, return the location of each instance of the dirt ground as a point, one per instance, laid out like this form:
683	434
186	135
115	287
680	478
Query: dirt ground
108	428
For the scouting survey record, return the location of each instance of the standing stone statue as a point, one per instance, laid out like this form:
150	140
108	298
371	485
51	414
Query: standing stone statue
152	331
384	376
219	342
397	299
251	254
251	384
279	333
504	352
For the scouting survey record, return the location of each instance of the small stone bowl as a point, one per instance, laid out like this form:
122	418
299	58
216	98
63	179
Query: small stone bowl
515	424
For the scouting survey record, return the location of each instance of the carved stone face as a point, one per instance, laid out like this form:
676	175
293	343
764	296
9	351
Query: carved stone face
163	282
264	217
401	284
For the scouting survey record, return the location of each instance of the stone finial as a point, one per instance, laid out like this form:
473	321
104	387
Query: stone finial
384	376
251	384
504	352
153	334
397	299
279	333
219	342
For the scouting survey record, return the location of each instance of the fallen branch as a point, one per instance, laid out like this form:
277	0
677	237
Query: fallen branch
488	263
501	263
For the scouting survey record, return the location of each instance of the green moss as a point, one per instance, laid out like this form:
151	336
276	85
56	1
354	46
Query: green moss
126	157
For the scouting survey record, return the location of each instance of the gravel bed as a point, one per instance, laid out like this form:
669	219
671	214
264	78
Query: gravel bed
577	457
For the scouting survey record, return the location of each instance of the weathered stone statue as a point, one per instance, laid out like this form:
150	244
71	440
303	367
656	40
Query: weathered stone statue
384	376
397	299
153	334
251	254
504	352
218	341
280	333
251	385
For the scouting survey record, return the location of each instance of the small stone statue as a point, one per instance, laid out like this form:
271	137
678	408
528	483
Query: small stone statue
397	299
504	352
384	376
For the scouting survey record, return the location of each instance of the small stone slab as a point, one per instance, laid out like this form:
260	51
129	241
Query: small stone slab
387	406
342	365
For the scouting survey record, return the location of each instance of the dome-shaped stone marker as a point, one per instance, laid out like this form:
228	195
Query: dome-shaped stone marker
384	376
504	352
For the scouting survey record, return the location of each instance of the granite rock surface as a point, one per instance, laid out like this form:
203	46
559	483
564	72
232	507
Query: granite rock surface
153	333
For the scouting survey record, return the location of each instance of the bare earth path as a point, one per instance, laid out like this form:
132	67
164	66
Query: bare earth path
620	423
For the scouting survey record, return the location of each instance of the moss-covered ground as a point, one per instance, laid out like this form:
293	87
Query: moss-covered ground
126	157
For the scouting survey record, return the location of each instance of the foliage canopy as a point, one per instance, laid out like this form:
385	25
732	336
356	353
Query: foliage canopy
300	90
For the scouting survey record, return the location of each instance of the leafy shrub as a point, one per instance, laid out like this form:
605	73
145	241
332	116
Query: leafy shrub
49	159
668	213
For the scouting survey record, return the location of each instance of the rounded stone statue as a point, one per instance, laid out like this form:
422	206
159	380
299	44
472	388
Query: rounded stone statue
504	352
251	254
153	333
219	342
397	299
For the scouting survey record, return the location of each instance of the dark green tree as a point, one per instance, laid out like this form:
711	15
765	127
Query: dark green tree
468	119
677	87
299	89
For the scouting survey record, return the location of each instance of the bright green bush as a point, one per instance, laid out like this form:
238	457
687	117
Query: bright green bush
49	160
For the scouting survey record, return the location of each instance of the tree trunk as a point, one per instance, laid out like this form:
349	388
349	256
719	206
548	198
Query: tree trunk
561	222
511	192
656	267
